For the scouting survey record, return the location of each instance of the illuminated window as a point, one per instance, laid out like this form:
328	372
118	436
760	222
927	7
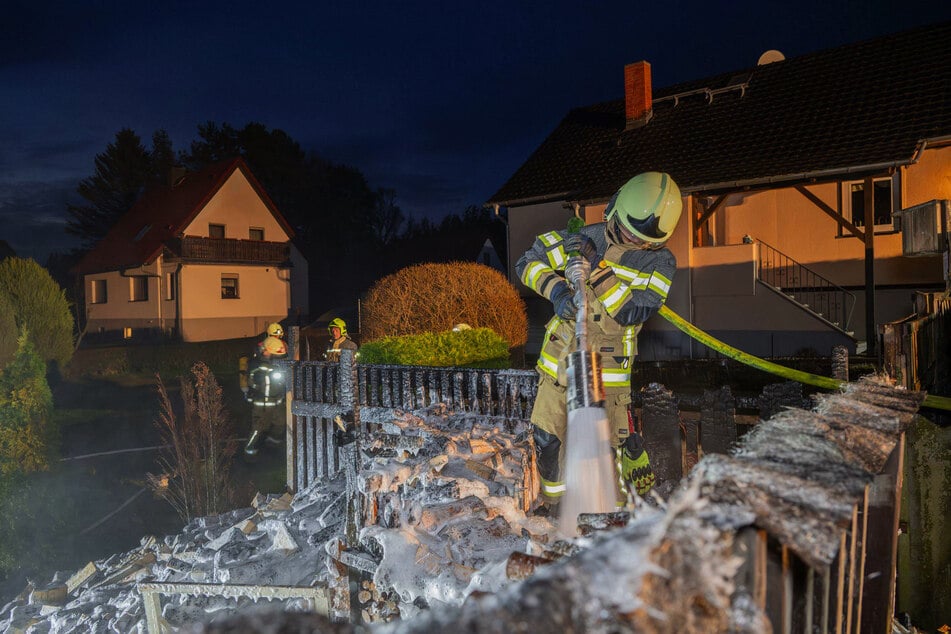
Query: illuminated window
229	286
255	233
138	288
884	193
126	333
97	292
216	231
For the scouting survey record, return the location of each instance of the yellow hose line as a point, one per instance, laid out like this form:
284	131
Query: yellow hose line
937	402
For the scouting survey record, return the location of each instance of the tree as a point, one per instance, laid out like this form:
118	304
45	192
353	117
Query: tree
123	172
39	305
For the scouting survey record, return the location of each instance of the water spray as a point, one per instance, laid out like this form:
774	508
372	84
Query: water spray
590	473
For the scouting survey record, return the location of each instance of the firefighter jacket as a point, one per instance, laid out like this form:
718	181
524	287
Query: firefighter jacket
626	288
343	342
271	348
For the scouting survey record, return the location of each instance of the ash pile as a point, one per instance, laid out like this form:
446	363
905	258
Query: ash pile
432	510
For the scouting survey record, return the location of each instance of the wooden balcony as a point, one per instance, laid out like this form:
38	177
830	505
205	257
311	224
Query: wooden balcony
198	249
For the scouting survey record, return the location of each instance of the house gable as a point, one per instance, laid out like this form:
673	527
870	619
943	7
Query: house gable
238	207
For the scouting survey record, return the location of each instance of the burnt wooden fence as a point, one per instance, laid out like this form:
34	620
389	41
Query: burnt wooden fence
852	592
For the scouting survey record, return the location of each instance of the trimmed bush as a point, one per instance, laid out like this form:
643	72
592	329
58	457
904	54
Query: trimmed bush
475	348
427	298
26	404
40	305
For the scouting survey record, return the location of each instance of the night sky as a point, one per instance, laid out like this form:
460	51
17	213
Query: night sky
440	101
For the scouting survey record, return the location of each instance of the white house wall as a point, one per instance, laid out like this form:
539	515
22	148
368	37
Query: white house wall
238	207
264	295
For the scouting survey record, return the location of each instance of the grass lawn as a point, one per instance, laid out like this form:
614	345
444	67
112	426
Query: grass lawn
94	502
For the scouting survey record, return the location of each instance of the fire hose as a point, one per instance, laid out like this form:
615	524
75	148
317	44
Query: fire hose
829	383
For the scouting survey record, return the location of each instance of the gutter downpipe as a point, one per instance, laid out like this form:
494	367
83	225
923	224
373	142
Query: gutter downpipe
496	210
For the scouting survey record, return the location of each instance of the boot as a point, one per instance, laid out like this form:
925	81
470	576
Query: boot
251	448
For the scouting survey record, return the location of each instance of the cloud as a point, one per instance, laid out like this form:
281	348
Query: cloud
33	215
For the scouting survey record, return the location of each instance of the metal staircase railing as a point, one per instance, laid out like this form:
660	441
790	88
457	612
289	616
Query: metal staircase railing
824	299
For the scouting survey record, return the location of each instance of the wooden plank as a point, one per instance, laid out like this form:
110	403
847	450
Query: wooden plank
850	580
883	515
776	587
842	562
863	548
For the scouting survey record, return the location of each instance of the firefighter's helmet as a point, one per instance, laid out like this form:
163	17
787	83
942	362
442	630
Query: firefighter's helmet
647	208
336	322
275	330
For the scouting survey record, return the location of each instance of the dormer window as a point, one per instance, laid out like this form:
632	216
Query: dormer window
216	231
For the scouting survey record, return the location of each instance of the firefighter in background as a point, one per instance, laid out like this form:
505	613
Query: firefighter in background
265	390
631	272
339	340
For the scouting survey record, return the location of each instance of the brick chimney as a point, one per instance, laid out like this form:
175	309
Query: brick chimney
638	98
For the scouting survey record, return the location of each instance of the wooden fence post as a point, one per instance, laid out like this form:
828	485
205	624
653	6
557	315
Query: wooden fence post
661	426
290	428
717	422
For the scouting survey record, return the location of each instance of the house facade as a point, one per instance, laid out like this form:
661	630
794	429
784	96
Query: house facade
206	257
782	167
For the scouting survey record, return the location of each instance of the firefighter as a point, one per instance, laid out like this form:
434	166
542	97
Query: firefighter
339	340
631	272
267	419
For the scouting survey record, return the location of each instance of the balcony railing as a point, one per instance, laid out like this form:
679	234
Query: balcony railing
229	250
805	287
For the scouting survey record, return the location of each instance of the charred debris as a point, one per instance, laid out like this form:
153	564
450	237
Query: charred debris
430	529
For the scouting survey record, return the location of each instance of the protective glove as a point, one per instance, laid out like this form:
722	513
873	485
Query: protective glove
636	466
561	299
583	245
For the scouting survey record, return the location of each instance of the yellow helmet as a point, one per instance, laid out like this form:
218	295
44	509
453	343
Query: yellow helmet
647	208
336	322
275	329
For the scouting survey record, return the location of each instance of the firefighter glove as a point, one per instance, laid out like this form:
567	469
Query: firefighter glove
635	465
577	243
561	299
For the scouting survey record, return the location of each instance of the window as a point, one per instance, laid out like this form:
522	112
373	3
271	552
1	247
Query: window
229	286
255	233
127	333
138	288
216	231
170	279
884	193
97	292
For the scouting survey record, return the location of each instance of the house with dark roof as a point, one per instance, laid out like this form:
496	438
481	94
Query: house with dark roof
796	176
205	257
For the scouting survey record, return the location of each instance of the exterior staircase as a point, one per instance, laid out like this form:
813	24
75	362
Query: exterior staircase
803	287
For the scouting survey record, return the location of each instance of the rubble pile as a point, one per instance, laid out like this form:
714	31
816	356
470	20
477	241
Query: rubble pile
440	497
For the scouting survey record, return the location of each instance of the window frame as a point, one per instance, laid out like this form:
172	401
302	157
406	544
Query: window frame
143	281
216	225
251	231
845	205
94	295
237	287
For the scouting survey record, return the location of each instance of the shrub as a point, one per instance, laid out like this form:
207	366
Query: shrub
478	347
435	297
40	305
8	331
25	407
197	463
